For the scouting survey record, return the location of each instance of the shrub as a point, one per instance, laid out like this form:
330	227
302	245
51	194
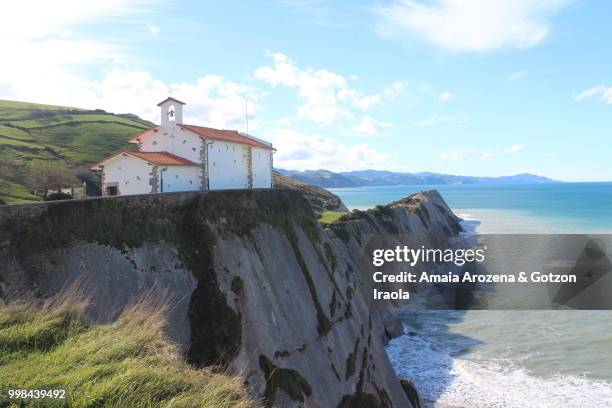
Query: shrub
57	196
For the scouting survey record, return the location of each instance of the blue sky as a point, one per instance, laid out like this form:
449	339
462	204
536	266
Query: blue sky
470	87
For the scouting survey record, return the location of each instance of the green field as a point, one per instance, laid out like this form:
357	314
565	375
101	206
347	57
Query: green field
72	136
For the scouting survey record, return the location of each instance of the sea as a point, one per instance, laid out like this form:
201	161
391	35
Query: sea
507	359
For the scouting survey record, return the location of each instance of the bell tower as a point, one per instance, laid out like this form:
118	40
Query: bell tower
171	111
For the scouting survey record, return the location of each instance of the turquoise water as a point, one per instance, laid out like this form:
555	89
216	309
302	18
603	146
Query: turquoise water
508	359
529	208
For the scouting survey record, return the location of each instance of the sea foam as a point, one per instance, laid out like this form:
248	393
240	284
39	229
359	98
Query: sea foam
445	379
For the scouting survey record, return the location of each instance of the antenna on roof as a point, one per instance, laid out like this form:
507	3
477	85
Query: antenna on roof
246	113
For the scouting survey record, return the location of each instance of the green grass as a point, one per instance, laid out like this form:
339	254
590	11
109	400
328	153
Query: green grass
29	105
330	216
15	193
74	137
65	119
125	364
14	133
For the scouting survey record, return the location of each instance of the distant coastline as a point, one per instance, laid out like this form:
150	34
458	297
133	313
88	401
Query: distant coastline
567	207
369	178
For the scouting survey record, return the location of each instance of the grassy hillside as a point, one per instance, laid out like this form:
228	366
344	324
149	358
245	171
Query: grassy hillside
75	137
126	364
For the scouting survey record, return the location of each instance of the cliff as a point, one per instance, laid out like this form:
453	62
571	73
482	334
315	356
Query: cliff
257	283
319	198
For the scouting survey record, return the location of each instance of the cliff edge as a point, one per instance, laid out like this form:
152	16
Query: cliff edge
257	283
319	198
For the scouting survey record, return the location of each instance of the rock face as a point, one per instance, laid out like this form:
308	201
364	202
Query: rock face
255	281
319	198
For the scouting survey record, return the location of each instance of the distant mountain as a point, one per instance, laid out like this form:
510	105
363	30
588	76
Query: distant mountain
321	178
326	178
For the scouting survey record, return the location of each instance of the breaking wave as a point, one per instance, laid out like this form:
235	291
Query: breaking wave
446	377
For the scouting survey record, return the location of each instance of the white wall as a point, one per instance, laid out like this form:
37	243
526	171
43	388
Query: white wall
227	165
130	174
180	178
174	140
227	161
262	168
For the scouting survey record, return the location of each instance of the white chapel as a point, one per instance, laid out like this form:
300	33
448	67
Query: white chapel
178	157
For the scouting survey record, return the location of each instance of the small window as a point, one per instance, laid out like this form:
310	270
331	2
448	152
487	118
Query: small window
234	161
193	148
190	181
137	177
214	164
184	141
176	176
154	142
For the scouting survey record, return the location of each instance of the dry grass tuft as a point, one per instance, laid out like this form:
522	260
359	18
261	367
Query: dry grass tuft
129	363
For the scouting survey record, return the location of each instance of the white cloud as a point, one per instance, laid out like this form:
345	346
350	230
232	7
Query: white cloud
211	100
446	96
326	96
471	25
301	152
153	29
604	92
47	18
219	102
49	56
515	148
395	89
319	89
467	154
370	126
515	76
47	39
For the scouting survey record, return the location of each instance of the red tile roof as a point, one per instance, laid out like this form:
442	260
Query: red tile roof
227	135
158	158
215	134
163	158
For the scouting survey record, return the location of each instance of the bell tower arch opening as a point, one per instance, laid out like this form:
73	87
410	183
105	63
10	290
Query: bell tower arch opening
171	110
